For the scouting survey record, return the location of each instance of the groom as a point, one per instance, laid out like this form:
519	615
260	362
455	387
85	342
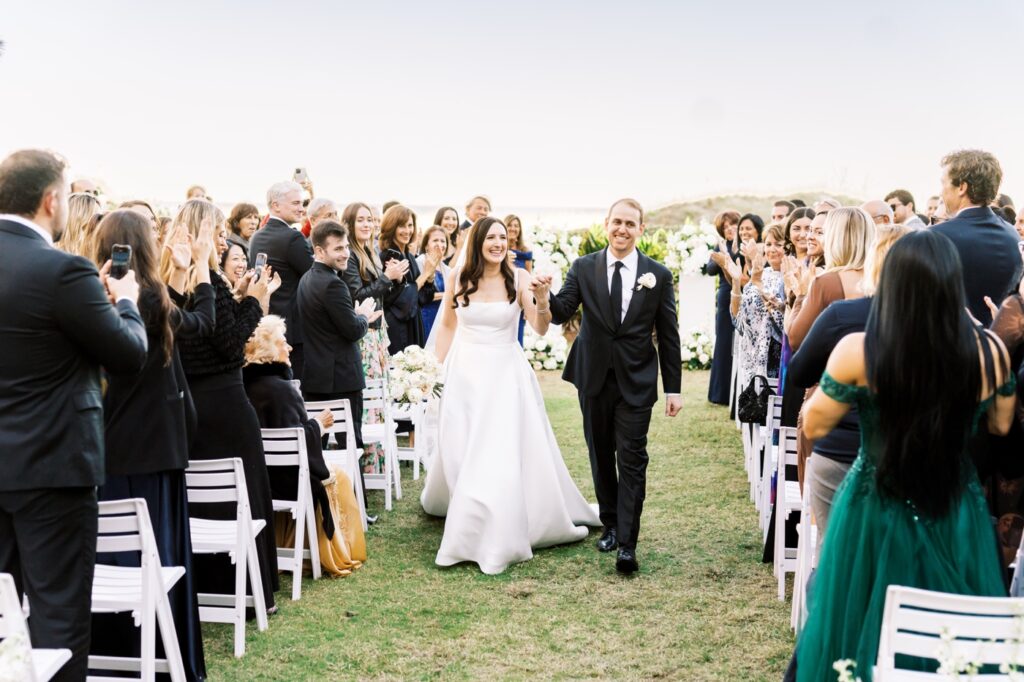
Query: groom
626	297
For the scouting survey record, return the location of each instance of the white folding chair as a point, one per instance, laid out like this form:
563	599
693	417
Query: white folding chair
376	397
735	377
951	628
1017	583
763	457
218	481
287	448
416	453
806	551
787	501
346	458
38	665
124	526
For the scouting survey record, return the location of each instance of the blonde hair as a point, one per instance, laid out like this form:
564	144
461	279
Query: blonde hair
848	234
191	215
76	238
261	348
885	237
777	231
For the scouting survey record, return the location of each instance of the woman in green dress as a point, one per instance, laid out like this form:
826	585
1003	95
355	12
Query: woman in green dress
911	511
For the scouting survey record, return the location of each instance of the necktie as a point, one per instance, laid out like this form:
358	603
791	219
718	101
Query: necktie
616	294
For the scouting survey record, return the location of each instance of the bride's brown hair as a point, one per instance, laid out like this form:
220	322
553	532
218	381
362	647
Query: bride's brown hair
473	270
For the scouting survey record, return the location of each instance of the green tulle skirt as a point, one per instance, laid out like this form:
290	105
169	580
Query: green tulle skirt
873	542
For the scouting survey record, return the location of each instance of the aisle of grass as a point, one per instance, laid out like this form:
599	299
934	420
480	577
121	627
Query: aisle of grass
703	607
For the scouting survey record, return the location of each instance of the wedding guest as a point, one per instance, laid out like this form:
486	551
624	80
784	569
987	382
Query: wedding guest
233	264
243	221
289	254
220	241
911	511
987	245
880	211
387	205
826	204
163	224
721	362
448	218
226	424
781	210
82	209
278	405
798	228
757	308
798	225
143	209
85	186
401	303
833	455
367	278
478	207
317	210
155	407
932	207
816	240
521	255
435	243
196	192
1019	225
902	204
58	326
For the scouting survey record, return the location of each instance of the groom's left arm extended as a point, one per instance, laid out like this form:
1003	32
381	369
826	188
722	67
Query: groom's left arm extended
566	302
667	325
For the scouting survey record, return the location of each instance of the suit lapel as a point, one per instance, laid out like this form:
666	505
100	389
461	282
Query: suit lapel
636	302
603	296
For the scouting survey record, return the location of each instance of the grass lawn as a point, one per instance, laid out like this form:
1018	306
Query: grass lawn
703	607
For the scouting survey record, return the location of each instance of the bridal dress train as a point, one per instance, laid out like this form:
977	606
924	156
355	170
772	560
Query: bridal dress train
497	473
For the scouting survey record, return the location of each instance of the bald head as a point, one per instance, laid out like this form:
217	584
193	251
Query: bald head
880	211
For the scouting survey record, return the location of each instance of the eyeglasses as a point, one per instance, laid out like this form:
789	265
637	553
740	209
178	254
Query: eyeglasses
894	206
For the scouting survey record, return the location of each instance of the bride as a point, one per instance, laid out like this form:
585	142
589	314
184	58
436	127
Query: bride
498	475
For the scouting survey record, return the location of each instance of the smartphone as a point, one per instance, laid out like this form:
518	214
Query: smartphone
120	256
300	175
391	254
261	262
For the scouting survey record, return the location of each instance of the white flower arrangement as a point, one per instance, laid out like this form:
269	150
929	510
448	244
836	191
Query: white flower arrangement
690	247
553	251
415	376
545	352
696	349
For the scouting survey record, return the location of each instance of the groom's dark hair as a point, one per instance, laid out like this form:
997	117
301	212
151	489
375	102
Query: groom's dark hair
632	203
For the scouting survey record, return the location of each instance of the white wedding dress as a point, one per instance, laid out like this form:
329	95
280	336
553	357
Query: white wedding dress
497	473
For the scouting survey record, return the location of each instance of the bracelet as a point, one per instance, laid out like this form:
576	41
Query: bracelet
736	295
543	312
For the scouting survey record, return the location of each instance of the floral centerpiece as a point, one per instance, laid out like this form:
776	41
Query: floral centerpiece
696	349
545	352
689	248
415	376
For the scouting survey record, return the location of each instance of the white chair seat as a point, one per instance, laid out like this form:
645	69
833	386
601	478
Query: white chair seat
119	588
46	662
210	536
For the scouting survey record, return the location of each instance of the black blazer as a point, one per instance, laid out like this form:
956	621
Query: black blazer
57	328
332	362
155	406
629	350
290	255
988	251
360	289
402	311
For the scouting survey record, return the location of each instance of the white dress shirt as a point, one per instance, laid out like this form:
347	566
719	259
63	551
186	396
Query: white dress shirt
628	275
30	225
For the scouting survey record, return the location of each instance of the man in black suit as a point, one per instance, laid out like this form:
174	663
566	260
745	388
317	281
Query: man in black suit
613	363
477	208
987	244
57	327
333	367
290	255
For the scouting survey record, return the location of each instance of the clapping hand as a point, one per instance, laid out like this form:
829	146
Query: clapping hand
203	246
734	269
757	259
179	245
395	269
433	256
366	308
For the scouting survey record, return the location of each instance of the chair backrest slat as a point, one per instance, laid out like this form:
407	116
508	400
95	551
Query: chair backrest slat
195	479
285	447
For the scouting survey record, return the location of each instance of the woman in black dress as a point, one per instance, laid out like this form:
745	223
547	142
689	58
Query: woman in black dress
401	303
155	408
227	425
721	362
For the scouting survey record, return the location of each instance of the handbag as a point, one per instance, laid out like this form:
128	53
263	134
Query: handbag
752	404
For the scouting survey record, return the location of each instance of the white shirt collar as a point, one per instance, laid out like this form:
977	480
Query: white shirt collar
30	225
629	262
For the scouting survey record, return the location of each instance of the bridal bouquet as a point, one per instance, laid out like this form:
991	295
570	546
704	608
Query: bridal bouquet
696	349
545	352
415	376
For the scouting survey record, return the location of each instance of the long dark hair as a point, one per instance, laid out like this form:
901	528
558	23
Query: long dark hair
469	276
922	365
125	226
366	256
795	215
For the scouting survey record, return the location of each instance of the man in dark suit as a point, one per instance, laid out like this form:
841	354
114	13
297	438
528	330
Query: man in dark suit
289	254
987	244
477	208
333	367
613	363
57	327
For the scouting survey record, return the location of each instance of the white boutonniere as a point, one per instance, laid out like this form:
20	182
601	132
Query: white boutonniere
646	281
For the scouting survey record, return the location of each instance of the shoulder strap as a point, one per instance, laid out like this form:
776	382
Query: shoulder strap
985	338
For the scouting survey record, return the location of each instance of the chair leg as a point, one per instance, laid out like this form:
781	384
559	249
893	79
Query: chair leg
259	604
314	544
147	654
387	479
241	564
300	536
780	542
169	637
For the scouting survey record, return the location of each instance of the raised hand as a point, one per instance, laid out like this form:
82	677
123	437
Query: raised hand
126	287
757	260
395	269
540	286
366	309
242	285
734	269
202	247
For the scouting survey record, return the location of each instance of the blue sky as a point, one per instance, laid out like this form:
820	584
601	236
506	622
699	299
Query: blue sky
533	103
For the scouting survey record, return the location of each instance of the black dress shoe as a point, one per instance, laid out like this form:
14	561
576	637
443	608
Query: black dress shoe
608	541
370	520
626	563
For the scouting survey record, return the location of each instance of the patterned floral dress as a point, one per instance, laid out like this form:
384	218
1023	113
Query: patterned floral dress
760	329
374	349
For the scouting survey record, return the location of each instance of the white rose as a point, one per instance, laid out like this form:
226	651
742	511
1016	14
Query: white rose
414	395
550	363
703	358
529	354
686	354
537	365
647	280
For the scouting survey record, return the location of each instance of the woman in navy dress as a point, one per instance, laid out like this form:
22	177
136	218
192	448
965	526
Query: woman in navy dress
432	290
523	256
721	362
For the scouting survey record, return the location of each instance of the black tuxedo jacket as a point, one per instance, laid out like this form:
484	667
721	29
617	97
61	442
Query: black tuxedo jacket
290	255
56	328
988	252
627	348
465	225
332	362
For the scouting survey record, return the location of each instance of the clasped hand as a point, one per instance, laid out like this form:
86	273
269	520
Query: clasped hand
366	308
540	287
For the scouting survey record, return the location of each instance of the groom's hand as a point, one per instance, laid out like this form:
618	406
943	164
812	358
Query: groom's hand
673	405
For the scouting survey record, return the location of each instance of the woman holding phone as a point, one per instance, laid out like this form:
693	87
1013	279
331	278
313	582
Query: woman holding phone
401	303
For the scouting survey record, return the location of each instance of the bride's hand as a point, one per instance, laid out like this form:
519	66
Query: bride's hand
541	288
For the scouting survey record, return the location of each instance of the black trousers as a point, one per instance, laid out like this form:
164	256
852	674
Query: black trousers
355	401
295	358
616	434
48	543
